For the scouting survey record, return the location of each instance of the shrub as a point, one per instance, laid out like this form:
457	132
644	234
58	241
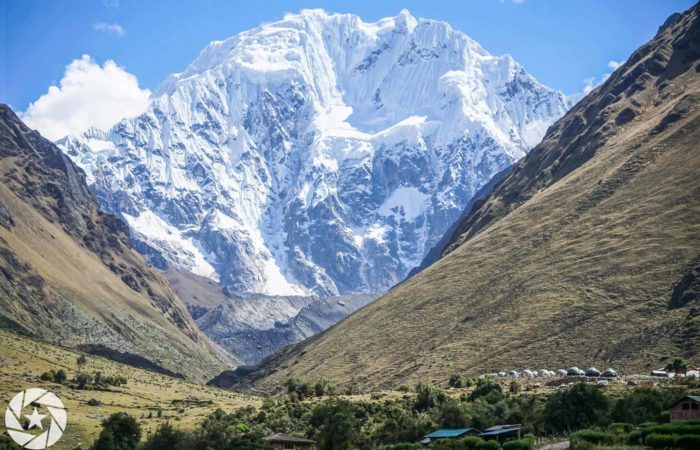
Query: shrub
656	440
488	390
428	396
60	377
47	376
672	428
594	437
634	438
520	444
457	380
470	442
689	441
621	427
404	446
488	445
166	437
119	432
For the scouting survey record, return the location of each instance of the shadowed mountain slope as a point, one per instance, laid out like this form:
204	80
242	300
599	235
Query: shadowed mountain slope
585	253
67	272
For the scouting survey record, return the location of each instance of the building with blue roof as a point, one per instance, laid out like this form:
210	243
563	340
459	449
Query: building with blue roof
449	433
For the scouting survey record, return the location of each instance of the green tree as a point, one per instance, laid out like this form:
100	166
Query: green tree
581	406
428	396
643	405
453	415
338	427
488	390
676	365
119	432
166	437
81	361
60	376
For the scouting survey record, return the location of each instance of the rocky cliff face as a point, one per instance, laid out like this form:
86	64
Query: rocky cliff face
67	271
255	326
316	155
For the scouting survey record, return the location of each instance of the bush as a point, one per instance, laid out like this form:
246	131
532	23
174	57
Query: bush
404	446
60	377
634	438
119	432
457	380
47	376
594	437
166	437
672	428
689	441
526	443
656	440
488	390
428	396
470	442
488	445
520	444
621	427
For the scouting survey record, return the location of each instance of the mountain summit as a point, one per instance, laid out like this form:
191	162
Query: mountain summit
318	154
585	253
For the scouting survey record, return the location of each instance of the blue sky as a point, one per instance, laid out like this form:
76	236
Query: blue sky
561	43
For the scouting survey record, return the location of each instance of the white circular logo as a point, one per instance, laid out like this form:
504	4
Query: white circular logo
39	407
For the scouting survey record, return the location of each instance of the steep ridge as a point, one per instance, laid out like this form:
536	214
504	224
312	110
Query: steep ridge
316	155
585	253
68	273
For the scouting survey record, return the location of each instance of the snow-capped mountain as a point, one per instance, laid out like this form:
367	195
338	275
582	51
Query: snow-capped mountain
318	154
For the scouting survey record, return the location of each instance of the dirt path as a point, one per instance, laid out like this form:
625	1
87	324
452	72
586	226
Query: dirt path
561	445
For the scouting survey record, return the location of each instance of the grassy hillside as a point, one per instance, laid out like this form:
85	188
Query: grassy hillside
586	253
23	360
68	273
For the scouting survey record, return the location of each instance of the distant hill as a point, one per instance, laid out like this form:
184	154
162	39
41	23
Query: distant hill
68	274
586	253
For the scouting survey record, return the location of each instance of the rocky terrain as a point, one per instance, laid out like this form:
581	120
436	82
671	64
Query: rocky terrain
586	250
255	326
68	273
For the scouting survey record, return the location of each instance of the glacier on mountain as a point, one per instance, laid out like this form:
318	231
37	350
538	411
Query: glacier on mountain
318	154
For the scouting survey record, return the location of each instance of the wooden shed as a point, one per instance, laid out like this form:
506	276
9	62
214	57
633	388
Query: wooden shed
686	408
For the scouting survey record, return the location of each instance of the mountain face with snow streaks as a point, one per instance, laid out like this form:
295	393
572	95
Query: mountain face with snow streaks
316	155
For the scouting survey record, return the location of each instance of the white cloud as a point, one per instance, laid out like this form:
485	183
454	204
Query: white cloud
588	85
615	64
88	95
110	28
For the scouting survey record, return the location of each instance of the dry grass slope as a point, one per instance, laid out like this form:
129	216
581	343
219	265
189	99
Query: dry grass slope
183	404
572	260
67	272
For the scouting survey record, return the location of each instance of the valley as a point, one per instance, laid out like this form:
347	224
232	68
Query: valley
331	233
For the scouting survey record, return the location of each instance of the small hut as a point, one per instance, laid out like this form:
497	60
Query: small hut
281	441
